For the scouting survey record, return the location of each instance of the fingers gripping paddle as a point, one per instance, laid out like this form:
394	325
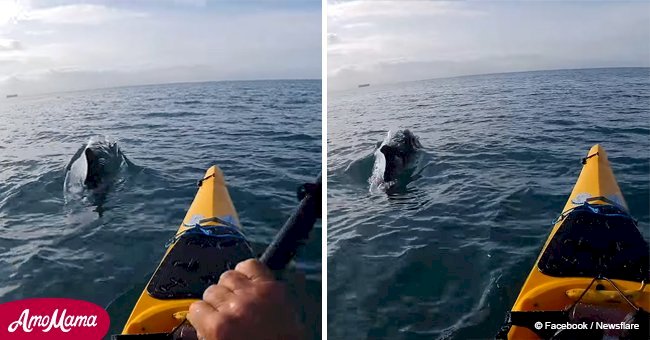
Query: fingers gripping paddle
277	255
287	241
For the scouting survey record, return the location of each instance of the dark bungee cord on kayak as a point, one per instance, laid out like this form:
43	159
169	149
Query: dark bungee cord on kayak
590	269
640	316
294	233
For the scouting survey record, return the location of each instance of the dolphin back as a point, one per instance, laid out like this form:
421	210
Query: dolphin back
393	156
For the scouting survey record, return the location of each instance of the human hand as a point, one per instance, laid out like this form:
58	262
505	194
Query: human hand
247	303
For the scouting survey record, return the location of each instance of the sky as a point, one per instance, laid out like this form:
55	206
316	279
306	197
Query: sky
392	41
53	46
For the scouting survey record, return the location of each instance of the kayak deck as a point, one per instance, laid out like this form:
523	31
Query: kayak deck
195	259
581	246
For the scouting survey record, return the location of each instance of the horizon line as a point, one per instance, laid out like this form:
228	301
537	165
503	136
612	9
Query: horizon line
161	84
493	73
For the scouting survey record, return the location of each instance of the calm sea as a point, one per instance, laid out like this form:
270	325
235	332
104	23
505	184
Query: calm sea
265	136
445	255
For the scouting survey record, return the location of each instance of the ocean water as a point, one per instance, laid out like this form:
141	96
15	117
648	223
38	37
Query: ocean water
264	135
444	254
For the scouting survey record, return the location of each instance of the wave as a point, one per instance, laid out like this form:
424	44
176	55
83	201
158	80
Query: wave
188	102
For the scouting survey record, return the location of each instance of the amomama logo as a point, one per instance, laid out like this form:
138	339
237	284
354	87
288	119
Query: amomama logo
52	318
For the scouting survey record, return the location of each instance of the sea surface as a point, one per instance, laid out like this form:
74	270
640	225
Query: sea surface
443	255
264	135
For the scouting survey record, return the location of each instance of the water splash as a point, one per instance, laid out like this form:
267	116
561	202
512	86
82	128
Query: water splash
376	180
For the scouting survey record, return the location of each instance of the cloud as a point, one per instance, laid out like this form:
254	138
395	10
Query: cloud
10	11
78	14
376	10
39	32
332	39
72	79
197	3
404	70
392	41
70	47
10	45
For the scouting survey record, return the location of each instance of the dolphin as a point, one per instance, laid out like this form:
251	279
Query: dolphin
94	166
103	160
399	151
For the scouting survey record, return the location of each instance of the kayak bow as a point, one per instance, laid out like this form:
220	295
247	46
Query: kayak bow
208	243
594	264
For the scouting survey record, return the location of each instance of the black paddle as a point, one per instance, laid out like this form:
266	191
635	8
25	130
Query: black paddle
296	229
277	255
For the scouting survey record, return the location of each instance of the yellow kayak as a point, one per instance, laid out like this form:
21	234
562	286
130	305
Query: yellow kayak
594	264
208	242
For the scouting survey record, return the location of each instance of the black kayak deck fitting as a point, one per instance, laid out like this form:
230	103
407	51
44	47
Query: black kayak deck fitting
194	263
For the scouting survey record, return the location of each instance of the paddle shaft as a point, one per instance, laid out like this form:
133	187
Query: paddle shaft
295	231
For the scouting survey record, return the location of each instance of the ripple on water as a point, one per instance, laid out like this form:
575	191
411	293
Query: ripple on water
172	133
445	257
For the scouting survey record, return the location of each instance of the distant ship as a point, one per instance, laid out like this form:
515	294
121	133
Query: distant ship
364	85
12	95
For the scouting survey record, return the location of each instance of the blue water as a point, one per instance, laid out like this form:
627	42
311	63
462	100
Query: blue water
445	253
265	136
